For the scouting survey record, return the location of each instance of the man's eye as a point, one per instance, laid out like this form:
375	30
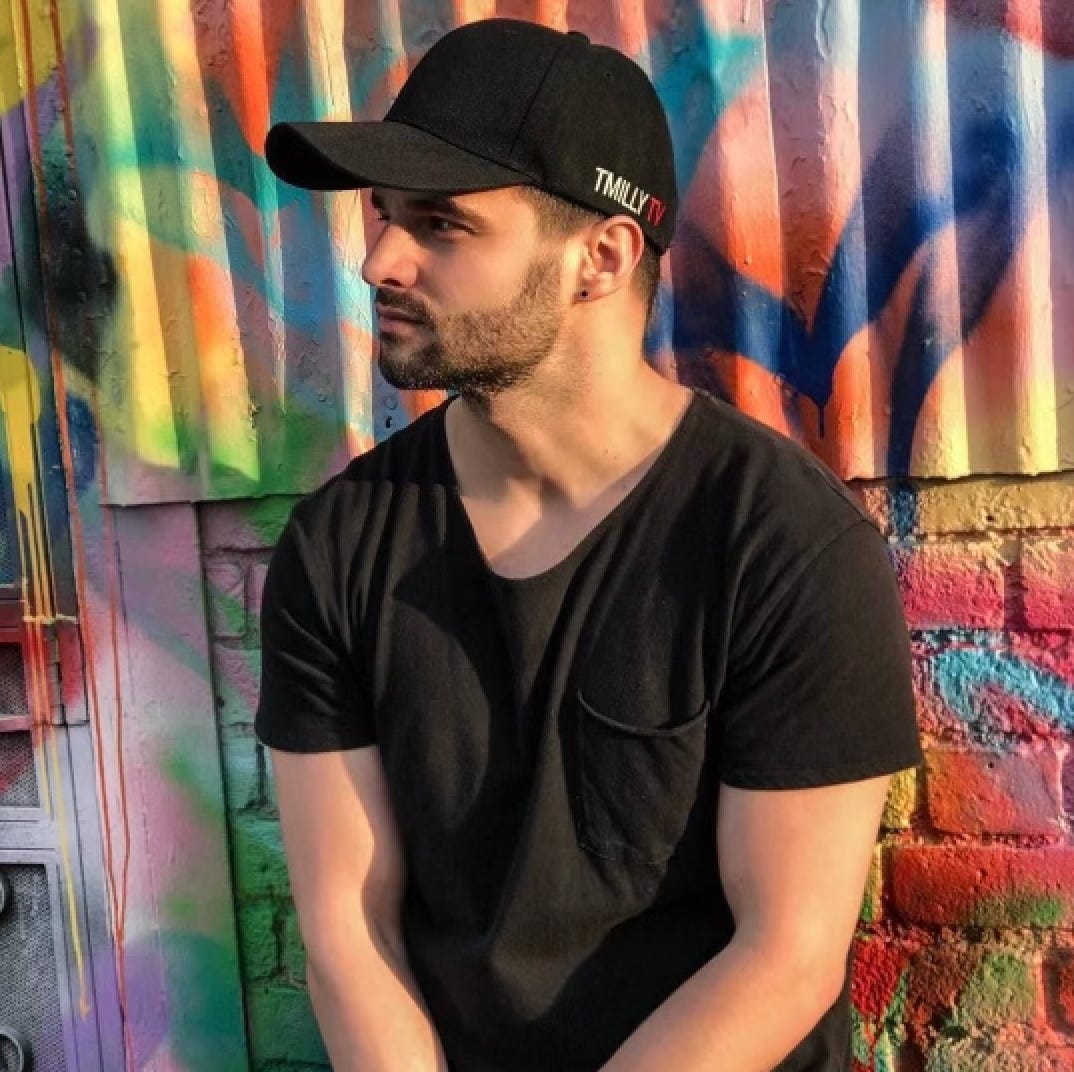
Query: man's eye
442	224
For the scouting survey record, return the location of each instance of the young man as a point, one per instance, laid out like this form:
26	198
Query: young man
584	689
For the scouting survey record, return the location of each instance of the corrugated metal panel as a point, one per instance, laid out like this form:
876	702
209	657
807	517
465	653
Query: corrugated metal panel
875	255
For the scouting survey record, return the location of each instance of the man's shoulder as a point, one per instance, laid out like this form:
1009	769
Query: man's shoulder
767	487
411	456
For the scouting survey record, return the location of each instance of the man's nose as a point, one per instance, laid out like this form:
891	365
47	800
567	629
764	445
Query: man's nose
390	260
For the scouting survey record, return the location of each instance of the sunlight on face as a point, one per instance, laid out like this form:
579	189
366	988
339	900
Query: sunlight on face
446	255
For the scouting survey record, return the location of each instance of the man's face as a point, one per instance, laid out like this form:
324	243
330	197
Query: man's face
468	296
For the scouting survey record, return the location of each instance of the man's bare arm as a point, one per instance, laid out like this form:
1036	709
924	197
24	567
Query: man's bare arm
347	875
793	864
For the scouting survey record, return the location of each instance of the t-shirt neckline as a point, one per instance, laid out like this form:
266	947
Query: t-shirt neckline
578	551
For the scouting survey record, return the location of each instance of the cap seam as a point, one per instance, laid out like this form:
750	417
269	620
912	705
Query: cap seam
537	92
463	148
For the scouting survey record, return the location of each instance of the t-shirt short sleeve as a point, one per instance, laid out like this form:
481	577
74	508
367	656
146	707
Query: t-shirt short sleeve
313	694
819	683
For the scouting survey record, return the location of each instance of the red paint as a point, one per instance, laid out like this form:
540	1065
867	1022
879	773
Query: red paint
116	896
1047	578
1063	969
1047	24
979	792
878	967
989	885
951	586
937	978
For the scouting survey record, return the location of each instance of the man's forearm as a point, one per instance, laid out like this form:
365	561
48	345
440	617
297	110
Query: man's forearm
371	1014
744	1011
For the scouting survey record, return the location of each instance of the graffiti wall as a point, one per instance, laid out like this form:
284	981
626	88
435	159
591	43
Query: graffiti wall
875	256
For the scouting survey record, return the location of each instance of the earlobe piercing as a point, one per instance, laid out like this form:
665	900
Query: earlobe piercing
583	294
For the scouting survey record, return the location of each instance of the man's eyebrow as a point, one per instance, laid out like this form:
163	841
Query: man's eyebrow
434	203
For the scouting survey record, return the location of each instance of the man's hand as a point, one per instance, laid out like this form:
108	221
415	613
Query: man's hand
347	875
793	863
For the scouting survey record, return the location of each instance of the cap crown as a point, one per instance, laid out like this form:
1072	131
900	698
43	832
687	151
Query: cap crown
579	120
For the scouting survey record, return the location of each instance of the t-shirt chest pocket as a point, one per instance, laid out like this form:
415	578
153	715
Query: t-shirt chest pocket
637	781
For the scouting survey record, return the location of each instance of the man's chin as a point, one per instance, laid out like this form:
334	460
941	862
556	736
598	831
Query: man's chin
410	375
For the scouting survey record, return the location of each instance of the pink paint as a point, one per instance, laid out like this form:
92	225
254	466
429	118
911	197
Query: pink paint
951	586
1047	576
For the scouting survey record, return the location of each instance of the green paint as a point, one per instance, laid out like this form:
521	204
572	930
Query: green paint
873	895
876	1045
206	1025
870	906
979	1055
257	941
260	867
236	673
242	775
186	910
227	601
282	1026
293	954
187	768
1020	909
1001	990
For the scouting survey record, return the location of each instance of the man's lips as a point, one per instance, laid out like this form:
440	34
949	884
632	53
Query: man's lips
386	314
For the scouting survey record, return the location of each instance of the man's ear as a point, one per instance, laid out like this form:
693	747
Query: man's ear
612	250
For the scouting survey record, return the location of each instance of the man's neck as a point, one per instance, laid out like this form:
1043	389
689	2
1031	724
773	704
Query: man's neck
562	444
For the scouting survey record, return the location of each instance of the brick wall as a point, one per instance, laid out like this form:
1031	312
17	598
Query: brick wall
283	1036
965	954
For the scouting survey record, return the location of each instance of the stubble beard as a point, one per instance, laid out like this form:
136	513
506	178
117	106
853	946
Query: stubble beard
478	354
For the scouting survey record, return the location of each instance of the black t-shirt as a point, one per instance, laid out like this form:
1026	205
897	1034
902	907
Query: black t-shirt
554	746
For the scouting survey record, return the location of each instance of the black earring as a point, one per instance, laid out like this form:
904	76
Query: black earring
583	294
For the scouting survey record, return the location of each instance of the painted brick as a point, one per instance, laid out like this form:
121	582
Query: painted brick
1060	976
282	1026
990	1054
948	586
257	940
872	902
248	782
993	792
996	503
293	954
242	780
990	689
1047	577
255	585
258	862
901	804
226	584
991	886
875	499
967	988
292	1066
878	977
878	1000
246	525
236	681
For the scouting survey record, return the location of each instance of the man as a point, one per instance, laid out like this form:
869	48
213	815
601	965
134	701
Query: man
583	690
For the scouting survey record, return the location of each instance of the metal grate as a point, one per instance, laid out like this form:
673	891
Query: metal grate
18	779
31	1008
13	699
8	552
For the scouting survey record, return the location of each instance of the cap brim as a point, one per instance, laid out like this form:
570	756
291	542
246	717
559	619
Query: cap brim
349	156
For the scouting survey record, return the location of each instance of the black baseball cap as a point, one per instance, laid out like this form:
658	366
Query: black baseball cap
502	102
